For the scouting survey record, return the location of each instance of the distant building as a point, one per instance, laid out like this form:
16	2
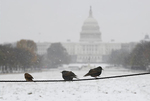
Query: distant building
146	38
42	47
90	30
128	46
90	47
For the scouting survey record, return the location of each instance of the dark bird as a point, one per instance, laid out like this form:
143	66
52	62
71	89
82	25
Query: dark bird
68	75
28	77
94	72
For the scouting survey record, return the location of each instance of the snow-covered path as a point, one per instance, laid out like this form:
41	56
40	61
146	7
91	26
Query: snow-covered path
117	89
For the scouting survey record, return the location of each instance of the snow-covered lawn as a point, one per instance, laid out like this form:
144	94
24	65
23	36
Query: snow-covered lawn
135	88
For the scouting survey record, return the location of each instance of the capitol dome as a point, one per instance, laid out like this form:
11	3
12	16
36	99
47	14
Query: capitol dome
90	30
90	20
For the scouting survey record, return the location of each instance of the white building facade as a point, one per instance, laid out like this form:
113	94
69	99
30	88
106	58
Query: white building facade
90	47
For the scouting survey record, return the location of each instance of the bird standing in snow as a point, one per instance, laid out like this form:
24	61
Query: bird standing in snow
68	75
94	72
28	77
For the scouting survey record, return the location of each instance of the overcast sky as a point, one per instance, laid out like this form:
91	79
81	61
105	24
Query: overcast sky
59	20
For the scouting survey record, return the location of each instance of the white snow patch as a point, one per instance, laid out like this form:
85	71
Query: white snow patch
117	89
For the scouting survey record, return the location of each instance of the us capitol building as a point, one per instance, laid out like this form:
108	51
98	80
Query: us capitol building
90	47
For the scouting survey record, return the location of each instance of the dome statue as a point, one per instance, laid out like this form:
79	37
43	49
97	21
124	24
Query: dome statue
90	30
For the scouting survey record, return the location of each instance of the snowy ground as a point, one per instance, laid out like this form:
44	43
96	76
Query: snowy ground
118	89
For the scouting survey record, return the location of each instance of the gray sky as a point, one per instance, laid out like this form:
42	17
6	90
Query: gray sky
59	20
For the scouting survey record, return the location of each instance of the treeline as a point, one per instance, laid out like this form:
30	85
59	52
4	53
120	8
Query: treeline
23	57
138	58
56	56
20	58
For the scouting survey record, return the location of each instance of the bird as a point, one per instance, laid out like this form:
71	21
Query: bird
94	72
68	75
28	77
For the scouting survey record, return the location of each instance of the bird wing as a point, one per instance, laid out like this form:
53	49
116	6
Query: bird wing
72	74
29	76
66	73
93	71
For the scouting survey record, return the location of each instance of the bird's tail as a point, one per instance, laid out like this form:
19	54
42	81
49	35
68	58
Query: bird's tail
86	74
76	77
